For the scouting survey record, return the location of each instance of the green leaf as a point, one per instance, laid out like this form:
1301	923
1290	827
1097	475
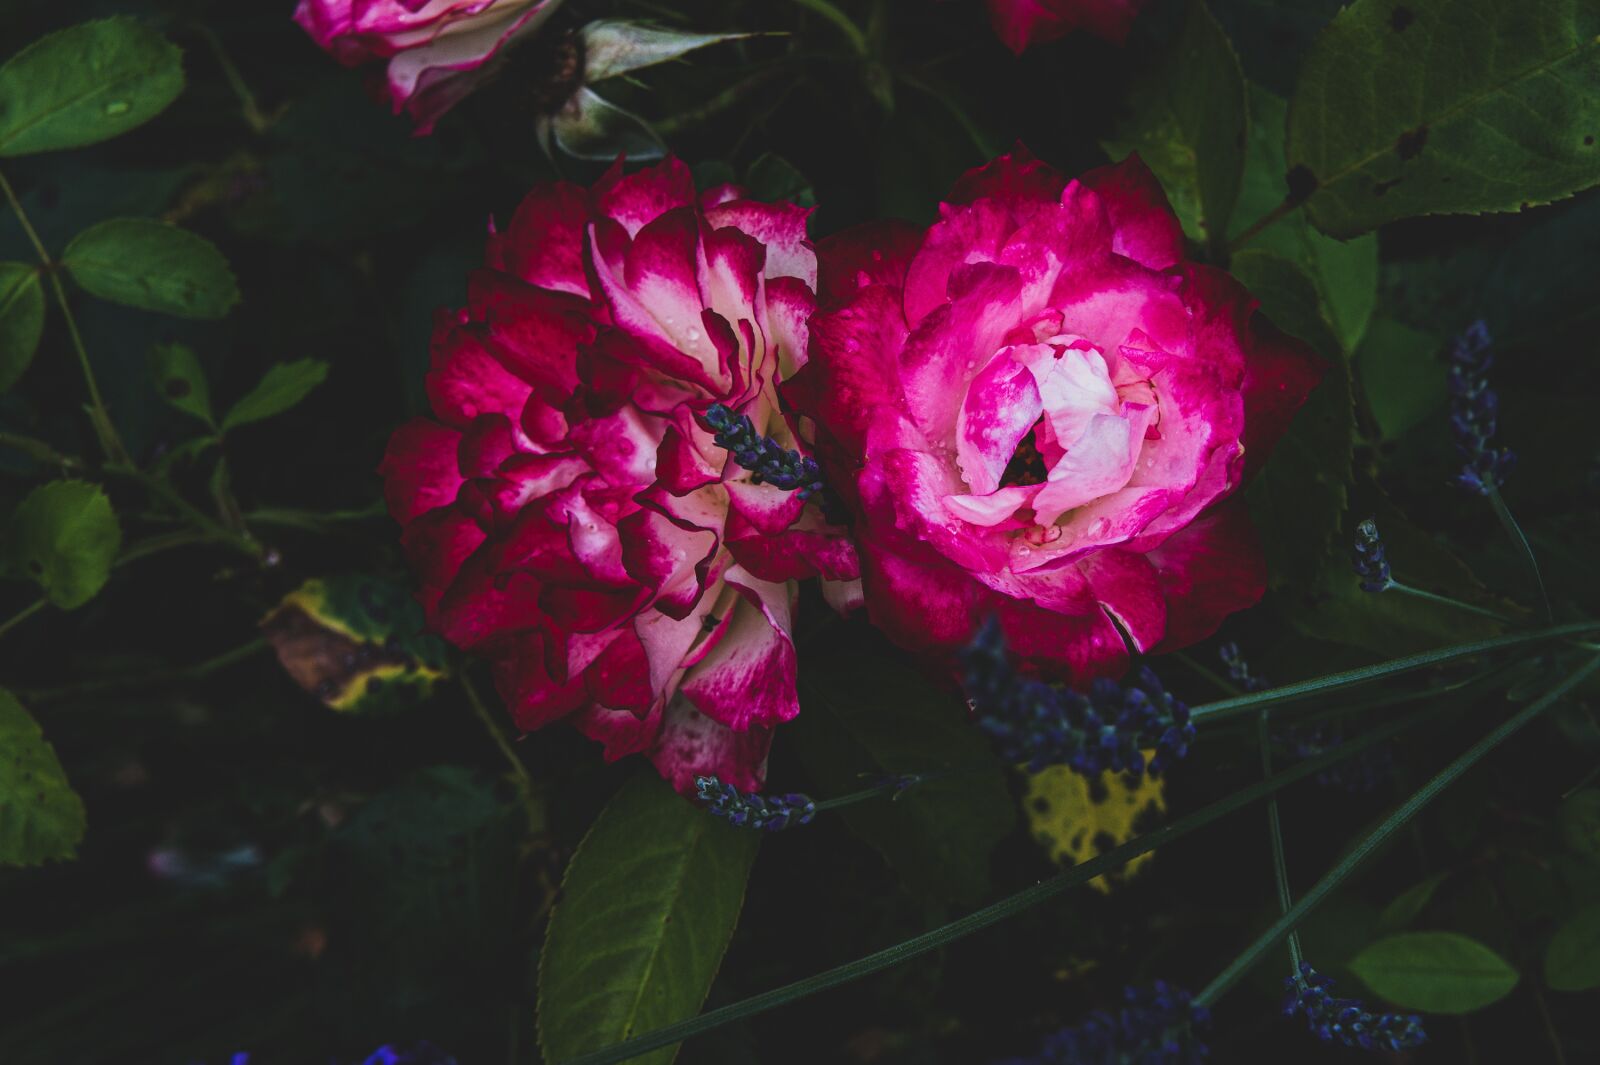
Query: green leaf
279	389
647	908
1572	960
1188	125
65	536
1435	972
1345	273
181	380
1301	492
1402	376
41	817
1446	107
772	177
868	713
21	320
152	265
86	84
1410	903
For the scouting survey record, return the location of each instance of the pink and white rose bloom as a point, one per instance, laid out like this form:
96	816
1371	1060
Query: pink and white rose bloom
567	510
438	50
1037	410
1021	23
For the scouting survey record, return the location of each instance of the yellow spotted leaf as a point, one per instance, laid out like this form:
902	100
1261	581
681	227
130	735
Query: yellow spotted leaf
1076	819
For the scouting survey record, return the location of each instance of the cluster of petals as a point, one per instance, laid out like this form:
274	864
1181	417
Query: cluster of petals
1037	411
438	51
1021	23
567	510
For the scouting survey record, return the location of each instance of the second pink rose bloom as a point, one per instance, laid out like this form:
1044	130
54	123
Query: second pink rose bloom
1038	410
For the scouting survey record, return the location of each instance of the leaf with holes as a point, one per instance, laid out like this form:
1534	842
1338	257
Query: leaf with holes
41	817
86	84
1435	972
1446	107
1188	125
21	320
181	380
647	908
65	536
154	266
1076	819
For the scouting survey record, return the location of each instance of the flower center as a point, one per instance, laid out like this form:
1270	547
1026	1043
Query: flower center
1027	465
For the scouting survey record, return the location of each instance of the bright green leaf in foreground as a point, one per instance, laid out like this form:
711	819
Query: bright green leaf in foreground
154	266
41	817
279	389
86	84
21	319
1435	972
1446	107
1188	125
647	908
65	536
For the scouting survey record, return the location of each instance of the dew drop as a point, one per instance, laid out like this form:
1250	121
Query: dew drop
118	107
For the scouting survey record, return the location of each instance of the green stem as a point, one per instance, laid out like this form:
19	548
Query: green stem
1397	820
110	443
1225	709
1514	531
257	119
202	521
732	96
157	544
312	520
1445	600
23	615
145	680
993	913
847	26
895	786
1280	864
497	734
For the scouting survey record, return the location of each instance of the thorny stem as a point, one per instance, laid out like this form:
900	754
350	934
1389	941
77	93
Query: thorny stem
110	443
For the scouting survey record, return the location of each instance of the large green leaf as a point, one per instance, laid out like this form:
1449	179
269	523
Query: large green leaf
1188	124
1345	273
152	265
1435	972
868	713
1302	490
647	908
279	389
41	817
21	319
1572	960
65	536
1446	106
86	84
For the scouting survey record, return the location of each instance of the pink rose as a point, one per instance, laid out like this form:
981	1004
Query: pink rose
569	514
438	50
1021	23
1038	410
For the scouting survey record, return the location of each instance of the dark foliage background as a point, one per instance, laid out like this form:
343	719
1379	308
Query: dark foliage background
402	886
